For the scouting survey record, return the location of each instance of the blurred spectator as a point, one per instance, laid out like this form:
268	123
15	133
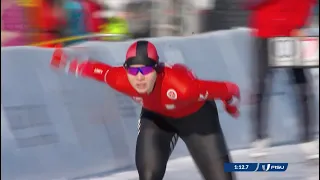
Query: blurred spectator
115	19
316	8
14	26
219	16
278	18
93	22
75	20
138	15
51	20
186	17
116	26
315	13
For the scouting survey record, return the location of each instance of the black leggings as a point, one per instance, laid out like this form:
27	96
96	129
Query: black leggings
200	131
263	87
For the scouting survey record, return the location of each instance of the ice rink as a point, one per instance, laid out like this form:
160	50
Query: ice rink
184	168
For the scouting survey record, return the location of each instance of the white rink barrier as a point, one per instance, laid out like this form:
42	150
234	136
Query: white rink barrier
55	126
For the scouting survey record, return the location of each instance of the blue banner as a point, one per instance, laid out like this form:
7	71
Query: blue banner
255	167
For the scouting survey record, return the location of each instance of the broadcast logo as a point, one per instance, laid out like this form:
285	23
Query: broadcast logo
266	167
273	167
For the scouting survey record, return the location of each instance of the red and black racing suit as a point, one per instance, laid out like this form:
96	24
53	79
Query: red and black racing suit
179	106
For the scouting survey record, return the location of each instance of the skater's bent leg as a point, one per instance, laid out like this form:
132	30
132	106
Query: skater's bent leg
209	155
154	145
205	141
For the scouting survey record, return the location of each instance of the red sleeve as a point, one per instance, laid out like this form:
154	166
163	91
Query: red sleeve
91	69
214	89
115	77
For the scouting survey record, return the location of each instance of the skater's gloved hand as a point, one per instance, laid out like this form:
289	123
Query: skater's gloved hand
231	104
60	60
79	64
233	90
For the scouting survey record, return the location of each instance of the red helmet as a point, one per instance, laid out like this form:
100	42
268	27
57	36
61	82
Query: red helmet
142	52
